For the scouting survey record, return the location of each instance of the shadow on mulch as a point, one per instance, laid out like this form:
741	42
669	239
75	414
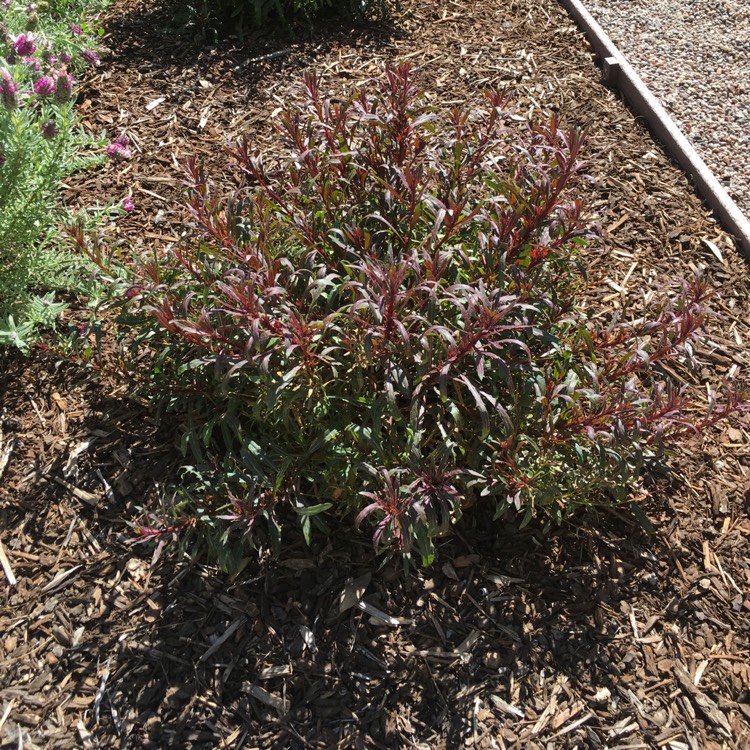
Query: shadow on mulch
179	655
136	34
268	658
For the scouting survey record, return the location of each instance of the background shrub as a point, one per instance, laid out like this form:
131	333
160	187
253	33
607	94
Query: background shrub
391	322
276	14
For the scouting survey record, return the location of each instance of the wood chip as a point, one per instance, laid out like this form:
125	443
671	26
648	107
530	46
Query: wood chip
87	497
264	696
714	249
702	702
217	644
6	448
381	616
61	578
468	642
155	103
571	727
353	592
7	569
6	712
506	707
87	740
271	673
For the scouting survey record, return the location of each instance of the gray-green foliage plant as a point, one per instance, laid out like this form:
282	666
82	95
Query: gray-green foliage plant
40	143
392	324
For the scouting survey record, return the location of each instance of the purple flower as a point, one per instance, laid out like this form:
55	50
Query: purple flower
33	63
91	57
117	152
64	58
76	30
23	45
49	130
8	91
63	86
128	205
44	87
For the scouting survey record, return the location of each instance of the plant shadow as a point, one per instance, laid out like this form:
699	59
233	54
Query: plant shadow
181	655
161	37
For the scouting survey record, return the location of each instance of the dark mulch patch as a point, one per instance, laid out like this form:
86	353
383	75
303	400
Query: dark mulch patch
594	635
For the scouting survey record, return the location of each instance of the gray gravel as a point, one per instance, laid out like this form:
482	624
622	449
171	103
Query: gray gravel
694	55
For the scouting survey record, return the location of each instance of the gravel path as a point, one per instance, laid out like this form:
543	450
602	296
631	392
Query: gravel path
694	55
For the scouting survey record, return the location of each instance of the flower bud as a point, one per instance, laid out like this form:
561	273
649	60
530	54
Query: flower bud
23	45
44	87
8	91
50	130
91	57
63	86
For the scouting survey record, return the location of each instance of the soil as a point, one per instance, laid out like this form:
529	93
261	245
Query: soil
592	635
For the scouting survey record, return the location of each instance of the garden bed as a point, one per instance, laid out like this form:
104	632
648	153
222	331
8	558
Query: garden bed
595	635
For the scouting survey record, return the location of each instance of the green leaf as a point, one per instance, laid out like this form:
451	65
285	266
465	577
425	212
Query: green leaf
312	510
527	515
642	518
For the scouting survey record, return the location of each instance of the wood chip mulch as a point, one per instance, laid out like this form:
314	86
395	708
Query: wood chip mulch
592	636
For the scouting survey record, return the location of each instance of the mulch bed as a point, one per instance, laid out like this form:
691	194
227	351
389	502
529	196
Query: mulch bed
593	635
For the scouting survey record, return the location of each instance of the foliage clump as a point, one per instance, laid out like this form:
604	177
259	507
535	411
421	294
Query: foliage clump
43	49
390	322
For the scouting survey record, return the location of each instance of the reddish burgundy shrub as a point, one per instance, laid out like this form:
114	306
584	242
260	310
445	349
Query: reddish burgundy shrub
388	322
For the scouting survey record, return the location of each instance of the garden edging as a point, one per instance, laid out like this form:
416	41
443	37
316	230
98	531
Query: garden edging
620	75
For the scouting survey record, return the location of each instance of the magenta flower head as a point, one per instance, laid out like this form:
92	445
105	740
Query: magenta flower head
8	91
117	152
128	205
44	87
64	58
91	57
49	130
23	45
63	86
76	30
